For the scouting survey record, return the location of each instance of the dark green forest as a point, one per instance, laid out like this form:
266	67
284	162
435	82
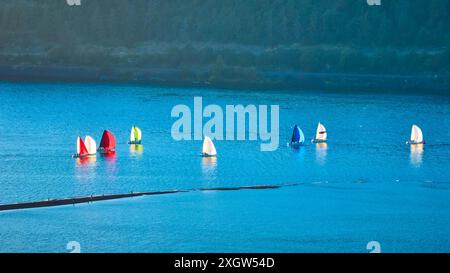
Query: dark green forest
212	40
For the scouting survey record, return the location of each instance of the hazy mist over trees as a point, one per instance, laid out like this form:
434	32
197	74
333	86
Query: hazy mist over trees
231	36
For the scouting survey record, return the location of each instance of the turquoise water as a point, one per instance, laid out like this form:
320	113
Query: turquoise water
365	185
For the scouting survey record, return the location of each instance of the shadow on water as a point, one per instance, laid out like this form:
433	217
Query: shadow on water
299	152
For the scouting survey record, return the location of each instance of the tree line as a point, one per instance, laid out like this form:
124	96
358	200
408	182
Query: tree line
400	36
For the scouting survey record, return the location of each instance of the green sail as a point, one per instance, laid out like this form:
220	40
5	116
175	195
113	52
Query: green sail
137	134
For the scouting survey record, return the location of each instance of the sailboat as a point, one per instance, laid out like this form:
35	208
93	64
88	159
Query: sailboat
91	146
135	135
298	138
108	143
82	151
208	148
321	134
416	135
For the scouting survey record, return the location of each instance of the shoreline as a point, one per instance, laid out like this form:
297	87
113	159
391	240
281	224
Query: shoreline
265	80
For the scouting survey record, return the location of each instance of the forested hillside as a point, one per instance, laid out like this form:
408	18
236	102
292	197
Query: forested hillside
214	40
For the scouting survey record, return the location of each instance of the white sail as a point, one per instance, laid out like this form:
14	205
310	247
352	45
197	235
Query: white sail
416	135
78	145
208	147
132	139
321	133
302	137
135	135
91	146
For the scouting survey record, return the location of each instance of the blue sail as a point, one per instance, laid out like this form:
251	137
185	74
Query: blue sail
297	135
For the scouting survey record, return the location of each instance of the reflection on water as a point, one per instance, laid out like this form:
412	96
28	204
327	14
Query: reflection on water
86	161
209	166
416	154
110	157
111	170
299	153
321	153
136	149
85	168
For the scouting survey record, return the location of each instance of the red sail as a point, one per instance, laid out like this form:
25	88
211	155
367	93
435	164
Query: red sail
108	142
83	150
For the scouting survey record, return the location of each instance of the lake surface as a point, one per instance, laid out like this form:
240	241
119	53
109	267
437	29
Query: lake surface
365	185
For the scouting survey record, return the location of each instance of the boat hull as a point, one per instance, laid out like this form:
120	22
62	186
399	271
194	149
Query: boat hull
417	143
81	156
297	145
106	151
